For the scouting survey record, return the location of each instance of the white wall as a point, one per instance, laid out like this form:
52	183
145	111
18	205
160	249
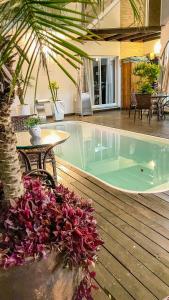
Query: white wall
67	91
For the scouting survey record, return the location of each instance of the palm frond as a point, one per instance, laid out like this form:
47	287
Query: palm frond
52	25
137	8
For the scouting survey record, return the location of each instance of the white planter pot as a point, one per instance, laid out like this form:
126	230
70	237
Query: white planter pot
35	131
23	109
58	108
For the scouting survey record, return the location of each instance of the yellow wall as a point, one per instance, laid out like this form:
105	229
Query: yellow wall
149	46
128	49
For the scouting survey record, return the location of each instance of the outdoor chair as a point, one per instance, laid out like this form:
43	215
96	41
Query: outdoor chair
33	154
144	102
133	103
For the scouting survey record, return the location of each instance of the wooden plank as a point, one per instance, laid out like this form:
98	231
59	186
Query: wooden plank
163	196
154	203
110	285
152	248
161	290
138	237
134	287
147	278
133	248
141	214
112	206
99	293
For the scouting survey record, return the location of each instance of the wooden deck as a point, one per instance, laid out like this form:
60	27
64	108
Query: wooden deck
120	119
134	261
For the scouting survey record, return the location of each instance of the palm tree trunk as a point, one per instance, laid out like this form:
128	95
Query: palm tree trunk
10	172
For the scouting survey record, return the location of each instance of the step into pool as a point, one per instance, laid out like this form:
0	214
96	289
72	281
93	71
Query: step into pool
126	160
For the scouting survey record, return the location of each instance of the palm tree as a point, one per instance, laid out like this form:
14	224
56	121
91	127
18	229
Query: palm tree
29	28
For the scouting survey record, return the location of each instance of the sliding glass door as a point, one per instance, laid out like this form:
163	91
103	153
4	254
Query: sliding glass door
105	79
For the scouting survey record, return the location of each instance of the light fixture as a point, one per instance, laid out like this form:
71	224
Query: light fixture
157	48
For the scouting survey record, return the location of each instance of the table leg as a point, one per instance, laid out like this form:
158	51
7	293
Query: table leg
40	162
44	161
25	160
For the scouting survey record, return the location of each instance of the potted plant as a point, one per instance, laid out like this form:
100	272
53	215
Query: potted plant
145	87
148	75
33	126
23	108
58	107
50	236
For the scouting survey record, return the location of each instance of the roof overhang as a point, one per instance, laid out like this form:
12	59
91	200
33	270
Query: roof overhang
132	34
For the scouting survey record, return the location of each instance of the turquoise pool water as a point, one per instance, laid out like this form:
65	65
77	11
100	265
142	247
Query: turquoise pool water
125	160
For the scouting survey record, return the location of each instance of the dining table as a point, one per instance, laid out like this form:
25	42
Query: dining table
160	101
48	139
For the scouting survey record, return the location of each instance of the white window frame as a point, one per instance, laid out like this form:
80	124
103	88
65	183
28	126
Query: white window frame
117	84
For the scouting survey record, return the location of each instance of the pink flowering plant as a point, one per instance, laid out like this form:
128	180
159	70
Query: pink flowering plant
44	219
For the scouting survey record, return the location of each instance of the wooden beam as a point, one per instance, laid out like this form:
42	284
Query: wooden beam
155	37
112	31
127	37
141	36
113	37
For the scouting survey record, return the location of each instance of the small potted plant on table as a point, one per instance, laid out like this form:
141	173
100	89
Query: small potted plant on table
33	126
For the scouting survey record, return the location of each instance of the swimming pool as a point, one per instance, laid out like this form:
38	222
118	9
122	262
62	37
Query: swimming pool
125	160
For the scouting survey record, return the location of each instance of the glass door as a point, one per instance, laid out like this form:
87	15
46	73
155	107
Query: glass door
104	73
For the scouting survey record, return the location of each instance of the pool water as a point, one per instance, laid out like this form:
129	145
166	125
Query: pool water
125	160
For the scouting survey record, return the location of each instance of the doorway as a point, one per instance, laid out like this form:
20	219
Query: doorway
105	81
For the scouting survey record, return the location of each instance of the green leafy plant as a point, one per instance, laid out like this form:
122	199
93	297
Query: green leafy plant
32	122
54	86
147	71
145	88
148	75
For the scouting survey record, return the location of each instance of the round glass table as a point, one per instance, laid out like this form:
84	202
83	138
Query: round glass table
39	145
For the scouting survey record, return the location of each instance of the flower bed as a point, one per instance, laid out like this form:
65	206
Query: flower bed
44	220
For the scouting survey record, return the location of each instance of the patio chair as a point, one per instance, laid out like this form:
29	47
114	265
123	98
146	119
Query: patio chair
133	102
33	154
144	102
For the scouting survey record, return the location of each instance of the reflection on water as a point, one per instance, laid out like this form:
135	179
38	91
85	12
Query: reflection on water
123	161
